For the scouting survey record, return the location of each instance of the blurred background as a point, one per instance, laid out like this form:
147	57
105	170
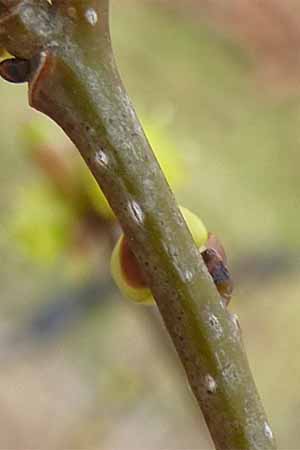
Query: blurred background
216	85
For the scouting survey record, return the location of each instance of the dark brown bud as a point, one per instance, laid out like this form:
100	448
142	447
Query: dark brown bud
15	70
215	260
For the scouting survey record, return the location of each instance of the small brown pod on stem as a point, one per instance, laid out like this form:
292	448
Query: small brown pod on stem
216	262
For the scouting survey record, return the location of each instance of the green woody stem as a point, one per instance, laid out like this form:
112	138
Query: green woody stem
74	81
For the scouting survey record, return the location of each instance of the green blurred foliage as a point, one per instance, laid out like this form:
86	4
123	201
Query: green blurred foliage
42	222
44	219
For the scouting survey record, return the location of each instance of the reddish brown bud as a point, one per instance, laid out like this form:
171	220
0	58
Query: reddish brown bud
214	243
130	266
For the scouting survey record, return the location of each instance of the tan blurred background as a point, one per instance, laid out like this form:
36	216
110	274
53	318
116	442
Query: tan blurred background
216	84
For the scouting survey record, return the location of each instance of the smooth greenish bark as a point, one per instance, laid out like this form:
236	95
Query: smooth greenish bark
75	82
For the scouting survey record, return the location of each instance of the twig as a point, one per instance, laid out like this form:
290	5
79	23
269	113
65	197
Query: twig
74	81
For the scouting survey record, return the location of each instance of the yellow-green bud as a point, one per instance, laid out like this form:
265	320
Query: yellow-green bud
196	227
127	275
125	268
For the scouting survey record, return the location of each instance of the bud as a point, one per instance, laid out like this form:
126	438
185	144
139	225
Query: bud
196	227
215	260
127	275
125	268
